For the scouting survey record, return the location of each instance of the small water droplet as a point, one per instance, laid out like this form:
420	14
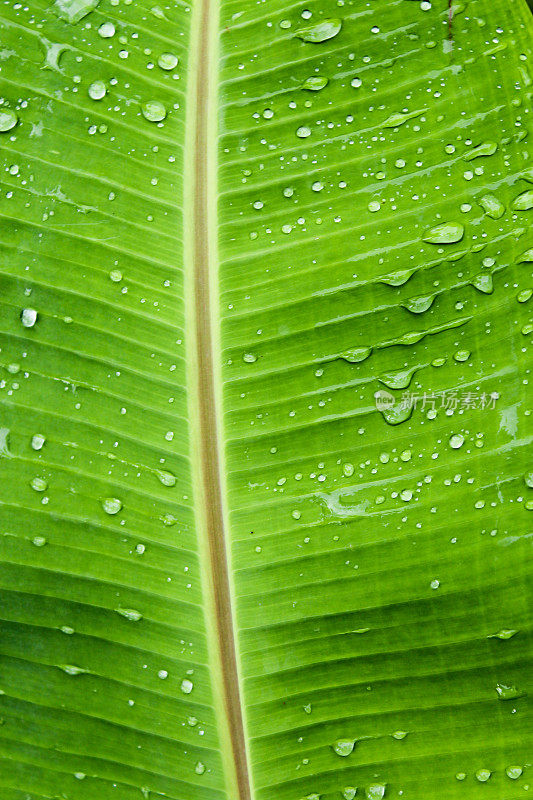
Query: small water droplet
28	317
153	111
483	775
129	613
186	686
37	441
456	441
39	484
303	132
166	478
111	505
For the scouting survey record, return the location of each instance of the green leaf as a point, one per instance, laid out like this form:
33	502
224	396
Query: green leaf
265	472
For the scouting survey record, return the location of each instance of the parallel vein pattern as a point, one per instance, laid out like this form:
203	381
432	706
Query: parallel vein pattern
381	551
104	668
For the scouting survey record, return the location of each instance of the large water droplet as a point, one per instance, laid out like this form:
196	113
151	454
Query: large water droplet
513	772
457	440
483	775
507	692
37	441
74	10
166	478
356	354
398	118
446	233
417	305
106	30
492	207
39	484
186	686
524	201
485	149
376	792
303	132
344	747
167	61
8	119
320	31
154	111
315	83
505	633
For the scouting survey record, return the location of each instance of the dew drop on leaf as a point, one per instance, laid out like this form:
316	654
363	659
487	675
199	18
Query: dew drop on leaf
154	111
513	772
167	61
186	686
97	90
320	31
74	10
129	613
28	317
446	233
106	30
37	441
524	201
344	747
8	119
315	83
111	505
492	207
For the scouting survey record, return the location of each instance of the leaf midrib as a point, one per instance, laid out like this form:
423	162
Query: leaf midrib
203	357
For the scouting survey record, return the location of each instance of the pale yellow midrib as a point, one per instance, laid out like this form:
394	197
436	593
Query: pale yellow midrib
205	392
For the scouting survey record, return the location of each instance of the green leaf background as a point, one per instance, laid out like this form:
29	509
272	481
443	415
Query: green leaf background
369	195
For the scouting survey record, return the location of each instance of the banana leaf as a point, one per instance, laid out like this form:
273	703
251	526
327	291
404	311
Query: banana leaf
265	427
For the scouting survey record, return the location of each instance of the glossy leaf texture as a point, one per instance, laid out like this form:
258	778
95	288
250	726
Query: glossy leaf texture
371	319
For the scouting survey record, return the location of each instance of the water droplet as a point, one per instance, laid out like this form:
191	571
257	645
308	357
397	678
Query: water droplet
485	149
167	61
106	30
162	674
483	775
374	206
129	613
72	669
526	256
456	441
376	792
199	768
37	441
446	233
356	83
166	478
460	776
39	484
461	355
97	90
492	207
28	317
513	772
249	358
66	629
153	111
320	31
74	10
308	709
398	413
397	278
398	118
315	83
349	792
505	633
186	686
115	275
317	186
506	692
483	282
303	132
111	505
344	747
8	119
528	479
398	380
524	201
39	541
417	305
356	354
400	734
524	295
